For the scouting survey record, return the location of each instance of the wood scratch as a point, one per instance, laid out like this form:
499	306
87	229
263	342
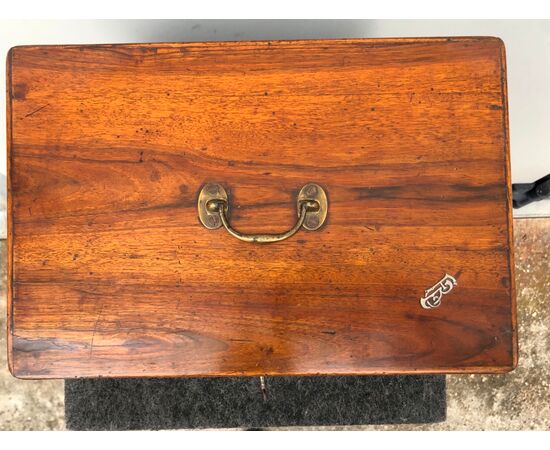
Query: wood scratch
95	328
36	110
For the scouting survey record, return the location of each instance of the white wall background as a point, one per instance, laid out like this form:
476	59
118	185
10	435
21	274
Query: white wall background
527	47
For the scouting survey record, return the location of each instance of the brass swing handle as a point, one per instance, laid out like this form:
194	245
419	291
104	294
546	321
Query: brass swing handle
311	205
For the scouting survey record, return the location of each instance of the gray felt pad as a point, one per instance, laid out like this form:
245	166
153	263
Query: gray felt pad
137	404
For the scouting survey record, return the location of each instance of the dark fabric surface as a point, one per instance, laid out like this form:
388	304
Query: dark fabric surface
136	404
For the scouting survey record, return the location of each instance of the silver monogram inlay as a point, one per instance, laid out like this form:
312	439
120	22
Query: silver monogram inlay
432	296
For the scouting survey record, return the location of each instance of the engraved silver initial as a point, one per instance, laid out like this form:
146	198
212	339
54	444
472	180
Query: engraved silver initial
432	296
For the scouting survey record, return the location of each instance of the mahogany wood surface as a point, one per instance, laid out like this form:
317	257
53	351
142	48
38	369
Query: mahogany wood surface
112	274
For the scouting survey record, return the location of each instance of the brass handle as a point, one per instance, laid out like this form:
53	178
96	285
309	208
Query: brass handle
311	206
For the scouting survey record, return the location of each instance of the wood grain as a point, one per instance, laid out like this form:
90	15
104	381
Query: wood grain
112	274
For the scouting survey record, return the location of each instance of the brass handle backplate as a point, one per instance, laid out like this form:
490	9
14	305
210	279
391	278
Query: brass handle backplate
311	205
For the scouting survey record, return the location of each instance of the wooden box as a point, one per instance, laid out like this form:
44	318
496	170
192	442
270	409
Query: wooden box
115	270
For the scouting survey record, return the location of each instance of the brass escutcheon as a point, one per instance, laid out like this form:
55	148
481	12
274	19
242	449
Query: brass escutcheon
311	205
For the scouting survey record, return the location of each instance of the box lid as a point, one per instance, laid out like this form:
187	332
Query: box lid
112	273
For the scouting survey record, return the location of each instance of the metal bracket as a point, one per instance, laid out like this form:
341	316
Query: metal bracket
525	193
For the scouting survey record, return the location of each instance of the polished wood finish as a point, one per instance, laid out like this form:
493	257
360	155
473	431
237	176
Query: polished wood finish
112	274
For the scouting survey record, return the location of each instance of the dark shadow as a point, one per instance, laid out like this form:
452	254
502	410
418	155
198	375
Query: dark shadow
236	30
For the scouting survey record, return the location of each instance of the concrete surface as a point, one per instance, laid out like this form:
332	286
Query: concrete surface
519	400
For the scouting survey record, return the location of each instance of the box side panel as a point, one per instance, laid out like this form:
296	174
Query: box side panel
508	169
9	281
